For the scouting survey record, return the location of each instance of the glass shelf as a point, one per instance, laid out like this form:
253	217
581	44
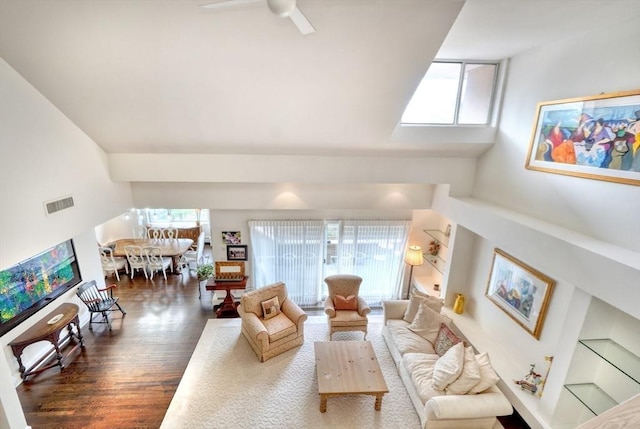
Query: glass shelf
438	236
594	398
436	262
616	355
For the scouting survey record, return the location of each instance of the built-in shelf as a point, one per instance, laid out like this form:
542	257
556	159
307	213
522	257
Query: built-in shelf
437	262
621	358
438	236
592	396
426	285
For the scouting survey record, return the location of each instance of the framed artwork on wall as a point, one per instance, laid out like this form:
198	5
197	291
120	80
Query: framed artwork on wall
596	137
237	252
231	237
522	292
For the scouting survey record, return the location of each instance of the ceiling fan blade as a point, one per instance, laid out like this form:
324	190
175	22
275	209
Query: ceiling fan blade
227	3
301	22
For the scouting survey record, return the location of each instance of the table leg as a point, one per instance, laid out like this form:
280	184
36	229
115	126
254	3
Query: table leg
323	403
378	405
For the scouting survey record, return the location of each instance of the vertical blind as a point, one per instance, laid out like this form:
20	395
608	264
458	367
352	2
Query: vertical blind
301	254
289	251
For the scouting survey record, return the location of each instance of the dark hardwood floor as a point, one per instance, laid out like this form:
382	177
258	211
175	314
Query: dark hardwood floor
126	378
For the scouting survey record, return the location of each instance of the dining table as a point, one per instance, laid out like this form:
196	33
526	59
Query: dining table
173	248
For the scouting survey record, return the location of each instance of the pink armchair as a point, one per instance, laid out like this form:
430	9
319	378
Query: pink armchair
272	335
345	285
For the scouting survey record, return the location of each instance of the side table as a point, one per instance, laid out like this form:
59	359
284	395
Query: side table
228	308
48	329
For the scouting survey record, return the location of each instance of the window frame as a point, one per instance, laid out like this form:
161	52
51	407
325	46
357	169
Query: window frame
492	101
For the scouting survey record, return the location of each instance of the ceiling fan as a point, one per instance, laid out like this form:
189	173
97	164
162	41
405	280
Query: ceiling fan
281	8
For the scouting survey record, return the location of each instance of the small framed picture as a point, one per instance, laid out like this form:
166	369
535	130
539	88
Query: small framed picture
237	252
447	232
231	237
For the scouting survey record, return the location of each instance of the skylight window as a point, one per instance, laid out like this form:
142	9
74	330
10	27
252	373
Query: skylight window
453	93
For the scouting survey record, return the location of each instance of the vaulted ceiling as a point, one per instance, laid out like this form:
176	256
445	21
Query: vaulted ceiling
167	76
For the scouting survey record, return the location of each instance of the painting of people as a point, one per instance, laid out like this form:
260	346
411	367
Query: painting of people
593	137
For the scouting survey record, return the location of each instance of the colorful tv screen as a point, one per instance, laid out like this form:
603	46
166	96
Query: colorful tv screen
30	285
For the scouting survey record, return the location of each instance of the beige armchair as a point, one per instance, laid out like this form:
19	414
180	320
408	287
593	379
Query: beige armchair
274	334
345	285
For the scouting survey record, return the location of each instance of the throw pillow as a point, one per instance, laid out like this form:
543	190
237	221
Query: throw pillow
418	298
271	307
488	376
345	302
468	378
427	323
448	367
444	340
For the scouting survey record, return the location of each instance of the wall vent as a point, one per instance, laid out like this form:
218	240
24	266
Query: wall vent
57	205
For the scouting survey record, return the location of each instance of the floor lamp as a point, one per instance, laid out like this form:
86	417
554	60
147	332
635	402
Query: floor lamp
413	257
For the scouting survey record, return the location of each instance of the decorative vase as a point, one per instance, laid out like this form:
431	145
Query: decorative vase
458	306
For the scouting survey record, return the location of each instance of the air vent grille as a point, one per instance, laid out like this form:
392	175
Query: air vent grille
57	205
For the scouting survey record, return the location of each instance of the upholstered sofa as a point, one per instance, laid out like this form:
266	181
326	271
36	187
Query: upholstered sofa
273	328
416	359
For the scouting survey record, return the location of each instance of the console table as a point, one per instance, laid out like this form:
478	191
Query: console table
48	329
228	308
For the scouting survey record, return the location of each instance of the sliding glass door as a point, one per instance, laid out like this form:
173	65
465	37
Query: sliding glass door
301	253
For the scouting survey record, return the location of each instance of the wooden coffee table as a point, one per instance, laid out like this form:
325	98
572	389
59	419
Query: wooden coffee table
346	368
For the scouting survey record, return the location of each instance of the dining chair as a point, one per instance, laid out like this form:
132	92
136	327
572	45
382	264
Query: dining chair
139	231
170	233
192	257
155	260
112	264
136	259
154	233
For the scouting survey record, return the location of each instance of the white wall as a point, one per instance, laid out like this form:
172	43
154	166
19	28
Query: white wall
582	233
44	156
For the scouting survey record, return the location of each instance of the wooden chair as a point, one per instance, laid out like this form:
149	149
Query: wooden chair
354	319
99	301
136	259
109	263
170	233
155	233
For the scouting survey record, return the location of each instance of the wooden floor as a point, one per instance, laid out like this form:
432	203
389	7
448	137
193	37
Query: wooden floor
126	378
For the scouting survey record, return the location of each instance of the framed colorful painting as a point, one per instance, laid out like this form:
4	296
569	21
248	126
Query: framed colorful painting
595	137
522	292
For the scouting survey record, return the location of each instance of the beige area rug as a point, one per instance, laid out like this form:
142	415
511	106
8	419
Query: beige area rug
225	386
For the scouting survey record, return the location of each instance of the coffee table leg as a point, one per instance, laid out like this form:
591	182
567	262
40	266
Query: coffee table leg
379	401
323	404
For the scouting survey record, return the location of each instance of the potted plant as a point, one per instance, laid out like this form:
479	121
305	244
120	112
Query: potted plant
204	272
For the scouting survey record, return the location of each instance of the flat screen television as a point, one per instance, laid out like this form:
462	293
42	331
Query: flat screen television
30	285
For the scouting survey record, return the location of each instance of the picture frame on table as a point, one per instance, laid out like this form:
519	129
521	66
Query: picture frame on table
237	252
594	137
522	292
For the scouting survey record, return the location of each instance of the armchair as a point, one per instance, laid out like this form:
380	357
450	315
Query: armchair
282	329
350	315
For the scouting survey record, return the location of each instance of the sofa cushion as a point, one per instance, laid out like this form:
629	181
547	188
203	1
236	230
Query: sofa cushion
420	367
469	377
488	376
416	299
345	302
407	341
445	339
279	327
427	323
348	318
270	307
448	367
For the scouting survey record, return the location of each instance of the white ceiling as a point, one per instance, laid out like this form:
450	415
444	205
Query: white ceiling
167	76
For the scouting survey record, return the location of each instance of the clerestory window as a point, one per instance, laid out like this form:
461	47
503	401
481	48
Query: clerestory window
453	93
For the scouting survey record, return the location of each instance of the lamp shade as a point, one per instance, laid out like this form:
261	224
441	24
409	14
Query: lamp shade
414	256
